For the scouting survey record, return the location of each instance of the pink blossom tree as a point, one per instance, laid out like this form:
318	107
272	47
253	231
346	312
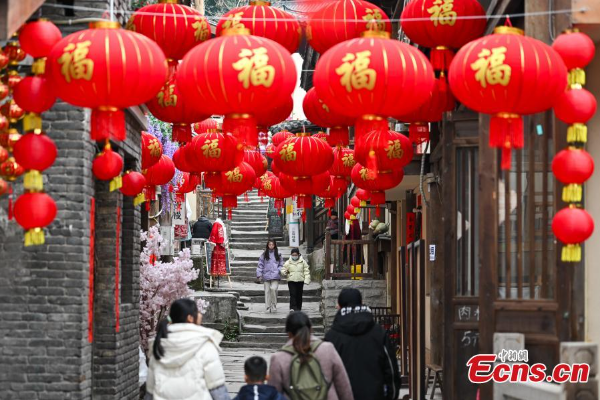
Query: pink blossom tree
161	283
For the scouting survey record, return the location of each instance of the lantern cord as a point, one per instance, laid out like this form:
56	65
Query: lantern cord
112	10
422	174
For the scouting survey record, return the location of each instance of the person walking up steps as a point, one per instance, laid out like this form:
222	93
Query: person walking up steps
268	271
298	274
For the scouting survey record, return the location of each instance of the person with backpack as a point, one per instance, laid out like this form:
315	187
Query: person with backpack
298	274
255	375
184	358
307	368
365	349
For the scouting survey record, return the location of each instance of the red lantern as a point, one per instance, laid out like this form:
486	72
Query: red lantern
133	183
174	27
208	125
3	154
35	153
273	188
384	150
256	160
305	189
160	173
363	196
33	211
11	170
319	113
215	152
181	159
376	182
343	20
271	116
576	50
341	169
575	107
38	37
281	137
572	167
443	26
572	226
188	183
107	166
3	187
376	91
120	68
151	150
34	94
234	183
265	21
507	74
236	75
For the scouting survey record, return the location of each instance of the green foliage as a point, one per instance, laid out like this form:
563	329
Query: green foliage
231	331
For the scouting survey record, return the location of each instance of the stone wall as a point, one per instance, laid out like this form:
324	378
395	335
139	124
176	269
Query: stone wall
373	293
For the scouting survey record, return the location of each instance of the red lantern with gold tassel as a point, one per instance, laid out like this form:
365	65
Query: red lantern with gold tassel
11	170
572	226
363	195
273	188
342	20
133	186
214	153
341	169
35	152
265	21
507	74
34	211
572	167
384	150
107	166
376	182
234	183
151	150
576	107
320	114
120	68
576	50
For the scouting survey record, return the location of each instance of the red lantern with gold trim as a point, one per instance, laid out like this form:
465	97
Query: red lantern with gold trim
320	114
572	167
160	173
34	211
208	125
376	182
572	226
35	152
234	183
106	69
265	21
151	150
506	75
384	150
343	20
363	195
107	166
273	188
176	28
341	169
133	183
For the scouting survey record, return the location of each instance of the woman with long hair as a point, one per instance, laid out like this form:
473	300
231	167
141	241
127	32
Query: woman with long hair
269	272
184	358
305	350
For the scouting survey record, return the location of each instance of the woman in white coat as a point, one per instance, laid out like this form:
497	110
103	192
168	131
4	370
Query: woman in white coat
184	361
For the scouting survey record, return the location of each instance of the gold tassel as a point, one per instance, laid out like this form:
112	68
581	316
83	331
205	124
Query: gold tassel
577	76
139	199
572	193
33	181
116	183
577	133
363	203
39	66
571	253
32	122
34	237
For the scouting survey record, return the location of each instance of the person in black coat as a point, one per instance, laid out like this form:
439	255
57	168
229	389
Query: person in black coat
365	349
202	228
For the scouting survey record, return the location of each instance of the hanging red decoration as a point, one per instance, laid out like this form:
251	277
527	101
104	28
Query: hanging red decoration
376	182
363	196
38	37
35	152
573	167
341	169
274	115
133	186
572	226
343	20
257	161
121	69
160	173
3	154
265	21
208	125
34	211
3	187
11	170
236	75
273	188
234	183
176	28
107	166
320	114
384	150
506	75
576	50
151	150
576	107
354	79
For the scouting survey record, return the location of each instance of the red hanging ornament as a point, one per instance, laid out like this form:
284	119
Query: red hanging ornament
34	211
384	150
234	183
107	166
133	186
151	150
3	154
160	173
572	167
120	68
11	170
208	125
35	152
38	37
363	196
576	50
572	226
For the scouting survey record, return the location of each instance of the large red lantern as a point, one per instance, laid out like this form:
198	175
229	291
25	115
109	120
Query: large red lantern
572	226
160	173
354	79
34	211
572	167
151	150
106	69
265	21
376	182
234	183
35	152
174	27
506	75
384	151
443	25
236	75
343	20
107	166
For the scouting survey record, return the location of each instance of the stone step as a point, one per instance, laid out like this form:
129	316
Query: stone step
274	319
256	290
252	227
271	329
242	306
239	211
250	345
269	338
245	245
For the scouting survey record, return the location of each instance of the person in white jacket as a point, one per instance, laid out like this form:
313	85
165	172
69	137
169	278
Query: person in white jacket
184	361
298	274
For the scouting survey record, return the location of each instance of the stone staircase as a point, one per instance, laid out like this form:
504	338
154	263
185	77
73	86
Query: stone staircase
248	237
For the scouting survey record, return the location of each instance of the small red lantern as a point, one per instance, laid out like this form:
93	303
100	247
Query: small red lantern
363	196
281	137
572	167
120	68
3	154
34	94
11	170
160	173
572	226
575	107
273	188
576	50
384	150
133	186
151	150
215	152
256	160
506	75
343	20
265	21
234	183
35	152
376	182
3	187
107	166
34	211
208	125
174	27
341	169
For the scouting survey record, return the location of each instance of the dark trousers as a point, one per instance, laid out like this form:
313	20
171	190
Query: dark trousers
296	290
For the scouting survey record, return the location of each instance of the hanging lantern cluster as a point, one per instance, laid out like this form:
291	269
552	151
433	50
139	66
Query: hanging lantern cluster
573	166
507	75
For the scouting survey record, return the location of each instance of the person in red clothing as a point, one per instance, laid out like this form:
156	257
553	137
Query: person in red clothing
218	236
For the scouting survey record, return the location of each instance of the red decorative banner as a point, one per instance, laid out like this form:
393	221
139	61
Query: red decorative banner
91	277
117	275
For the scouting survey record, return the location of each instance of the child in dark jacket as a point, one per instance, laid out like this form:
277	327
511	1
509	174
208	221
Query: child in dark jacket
255	370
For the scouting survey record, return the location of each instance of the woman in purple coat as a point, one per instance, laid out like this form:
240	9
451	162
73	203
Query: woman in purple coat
268	271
